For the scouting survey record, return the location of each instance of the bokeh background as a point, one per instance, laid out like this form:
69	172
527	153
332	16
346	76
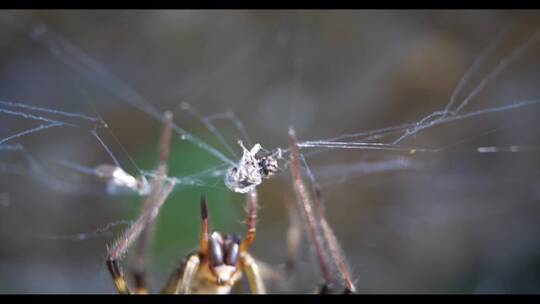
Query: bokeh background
455	222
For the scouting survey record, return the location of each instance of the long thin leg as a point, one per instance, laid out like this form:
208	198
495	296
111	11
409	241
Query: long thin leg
160	190
252	206
117	276
337	256
181	279
122	245
294	235
138	260
329	235
173	283
138	263
335	250
305	202
251	269
192	265
203	242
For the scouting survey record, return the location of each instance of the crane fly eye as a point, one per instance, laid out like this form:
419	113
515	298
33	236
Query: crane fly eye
215	250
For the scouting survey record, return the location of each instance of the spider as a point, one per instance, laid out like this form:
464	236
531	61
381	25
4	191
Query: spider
217	266
221	259
242	177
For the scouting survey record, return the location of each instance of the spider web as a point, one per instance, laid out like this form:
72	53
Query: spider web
391	147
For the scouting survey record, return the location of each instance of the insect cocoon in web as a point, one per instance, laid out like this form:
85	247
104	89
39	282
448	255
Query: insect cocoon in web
119	181
248	173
